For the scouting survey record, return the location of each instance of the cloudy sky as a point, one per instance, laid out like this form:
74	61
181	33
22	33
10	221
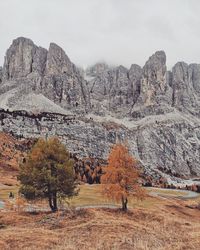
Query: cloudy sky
115	31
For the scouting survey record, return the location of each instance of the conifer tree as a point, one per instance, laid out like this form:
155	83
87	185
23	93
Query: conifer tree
48	173
121	177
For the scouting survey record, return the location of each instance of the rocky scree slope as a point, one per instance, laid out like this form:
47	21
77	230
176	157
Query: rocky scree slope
155	110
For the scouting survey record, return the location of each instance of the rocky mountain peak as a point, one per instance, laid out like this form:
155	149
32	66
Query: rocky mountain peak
185	84
135	73
155	69
19	59
23	58
31	72
57	61
153	80
180	72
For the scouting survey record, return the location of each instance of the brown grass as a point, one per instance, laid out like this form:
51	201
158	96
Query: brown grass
153	224
9	159
166	225
12	151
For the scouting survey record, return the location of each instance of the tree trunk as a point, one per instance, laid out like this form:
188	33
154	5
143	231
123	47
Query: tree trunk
50	203
124	204
55	202
53	192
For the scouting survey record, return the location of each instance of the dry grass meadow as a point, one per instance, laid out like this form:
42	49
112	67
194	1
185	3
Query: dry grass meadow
155	223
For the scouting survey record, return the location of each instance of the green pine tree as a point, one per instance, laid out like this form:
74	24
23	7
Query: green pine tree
48	173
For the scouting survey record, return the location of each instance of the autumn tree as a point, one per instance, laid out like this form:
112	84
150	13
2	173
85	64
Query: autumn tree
121	176
48	173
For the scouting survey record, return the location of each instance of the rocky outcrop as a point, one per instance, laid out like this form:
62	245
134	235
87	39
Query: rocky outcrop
113	89
194	77
39	61
136	92
1	74
62	81
57	61
23	58
153	81
155	90
30	70
134	89
108	88
185	84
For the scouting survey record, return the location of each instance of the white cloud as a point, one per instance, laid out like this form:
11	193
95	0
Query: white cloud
116	31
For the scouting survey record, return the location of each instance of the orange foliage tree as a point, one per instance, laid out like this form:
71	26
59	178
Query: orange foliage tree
121	177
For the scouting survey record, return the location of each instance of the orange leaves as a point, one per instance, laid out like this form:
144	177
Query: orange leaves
121	175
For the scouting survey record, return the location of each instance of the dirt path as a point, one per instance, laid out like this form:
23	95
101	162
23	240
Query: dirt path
173	193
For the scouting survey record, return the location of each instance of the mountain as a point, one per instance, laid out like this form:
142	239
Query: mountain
30	69
154	110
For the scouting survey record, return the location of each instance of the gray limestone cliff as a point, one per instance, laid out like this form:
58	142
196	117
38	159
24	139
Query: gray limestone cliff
113	89
30	70
155	91
1	74
186	84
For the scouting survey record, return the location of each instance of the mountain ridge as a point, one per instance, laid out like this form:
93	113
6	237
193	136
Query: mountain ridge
155	110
